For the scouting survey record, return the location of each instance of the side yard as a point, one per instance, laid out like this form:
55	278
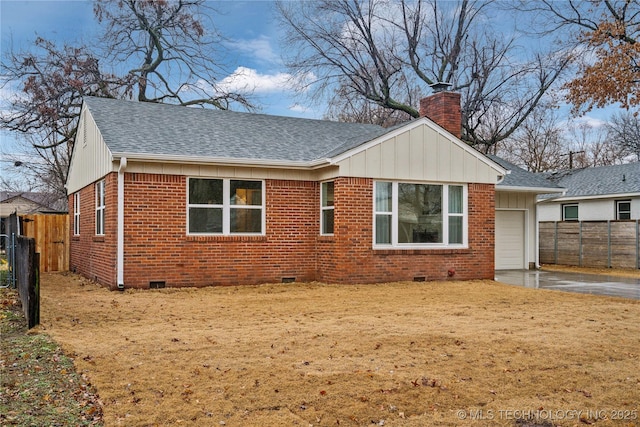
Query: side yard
409	354
38	382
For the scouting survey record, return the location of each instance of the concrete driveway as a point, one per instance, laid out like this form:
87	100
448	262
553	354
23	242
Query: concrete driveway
572	282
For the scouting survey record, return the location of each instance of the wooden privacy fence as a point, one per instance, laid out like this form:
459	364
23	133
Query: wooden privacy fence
26	270
51	233
611	244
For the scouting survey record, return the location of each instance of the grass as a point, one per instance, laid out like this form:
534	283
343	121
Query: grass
398	354
39	385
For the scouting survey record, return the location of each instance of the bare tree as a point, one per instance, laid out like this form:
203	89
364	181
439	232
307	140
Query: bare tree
381	50
348	106
48	83
173	47
605	35
538	144
589	146
623	130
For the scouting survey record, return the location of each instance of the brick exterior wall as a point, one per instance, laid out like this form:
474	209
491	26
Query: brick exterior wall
157	247
90	255
352	259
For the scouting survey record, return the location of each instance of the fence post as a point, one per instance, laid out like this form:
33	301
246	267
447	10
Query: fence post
580	245
555	243
34	291
28	279
608	244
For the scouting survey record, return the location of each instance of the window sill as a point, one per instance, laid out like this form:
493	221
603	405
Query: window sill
98	238
75	237
327	238
226	238
425	251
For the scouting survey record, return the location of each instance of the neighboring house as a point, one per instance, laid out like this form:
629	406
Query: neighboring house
164	195
594	194
24	202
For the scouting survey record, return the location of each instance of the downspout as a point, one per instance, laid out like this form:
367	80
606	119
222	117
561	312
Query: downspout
536	236
120	237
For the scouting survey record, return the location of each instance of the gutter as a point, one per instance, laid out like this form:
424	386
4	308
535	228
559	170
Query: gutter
225	161
539	190
120	235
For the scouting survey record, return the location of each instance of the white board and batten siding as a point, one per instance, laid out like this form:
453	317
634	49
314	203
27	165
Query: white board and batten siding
418	153
91	158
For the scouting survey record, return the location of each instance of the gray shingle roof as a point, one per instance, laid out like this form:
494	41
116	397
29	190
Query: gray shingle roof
600	181
519	177
130	127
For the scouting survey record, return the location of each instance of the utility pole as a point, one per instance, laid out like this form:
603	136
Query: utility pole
571	153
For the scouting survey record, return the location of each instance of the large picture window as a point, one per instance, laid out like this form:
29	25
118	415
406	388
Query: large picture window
409	214
100	207
76	214
326	208
225	206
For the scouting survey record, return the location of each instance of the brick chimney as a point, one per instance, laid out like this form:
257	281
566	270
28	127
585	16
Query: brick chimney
443	108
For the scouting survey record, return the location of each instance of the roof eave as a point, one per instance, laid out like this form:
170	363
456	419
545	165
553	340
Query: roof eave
592	197
523	189
223	161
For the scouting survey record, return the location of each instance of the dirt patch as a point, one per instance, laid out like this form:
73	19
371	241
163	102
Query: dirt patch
411	354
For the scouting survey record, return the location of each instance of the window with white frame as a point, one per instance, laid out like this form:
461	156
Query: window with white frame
76	214
225	206
623	209
570	212
326	207
425	215
100	207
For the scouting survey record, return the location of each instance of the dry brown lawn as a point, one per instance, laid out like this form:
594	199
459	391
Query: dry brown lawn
399	354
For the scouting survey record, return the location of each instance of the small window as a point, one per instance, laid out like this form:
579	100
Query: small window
225	206
100	208
326	208
570	212
76	214
623	209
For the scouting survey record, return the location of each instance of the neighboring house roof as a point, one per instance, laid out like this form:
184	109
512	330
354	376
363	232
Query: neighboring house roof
36	201
523	180
599	182
142	128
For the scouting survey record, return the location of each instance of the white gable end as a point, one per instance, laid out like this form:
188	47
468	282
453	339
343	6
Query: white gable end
419	151
91	159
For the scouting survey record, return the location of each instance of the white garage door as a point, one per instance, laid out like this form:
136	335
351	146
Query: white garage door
510	240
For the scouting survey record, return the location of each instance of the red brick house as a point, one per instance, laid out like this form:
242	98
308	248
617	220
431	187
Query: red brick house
163	195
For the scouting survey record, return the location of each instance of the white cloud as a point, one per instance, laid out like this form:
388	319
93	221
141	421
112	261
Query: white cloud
249	81
300	108
259	48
